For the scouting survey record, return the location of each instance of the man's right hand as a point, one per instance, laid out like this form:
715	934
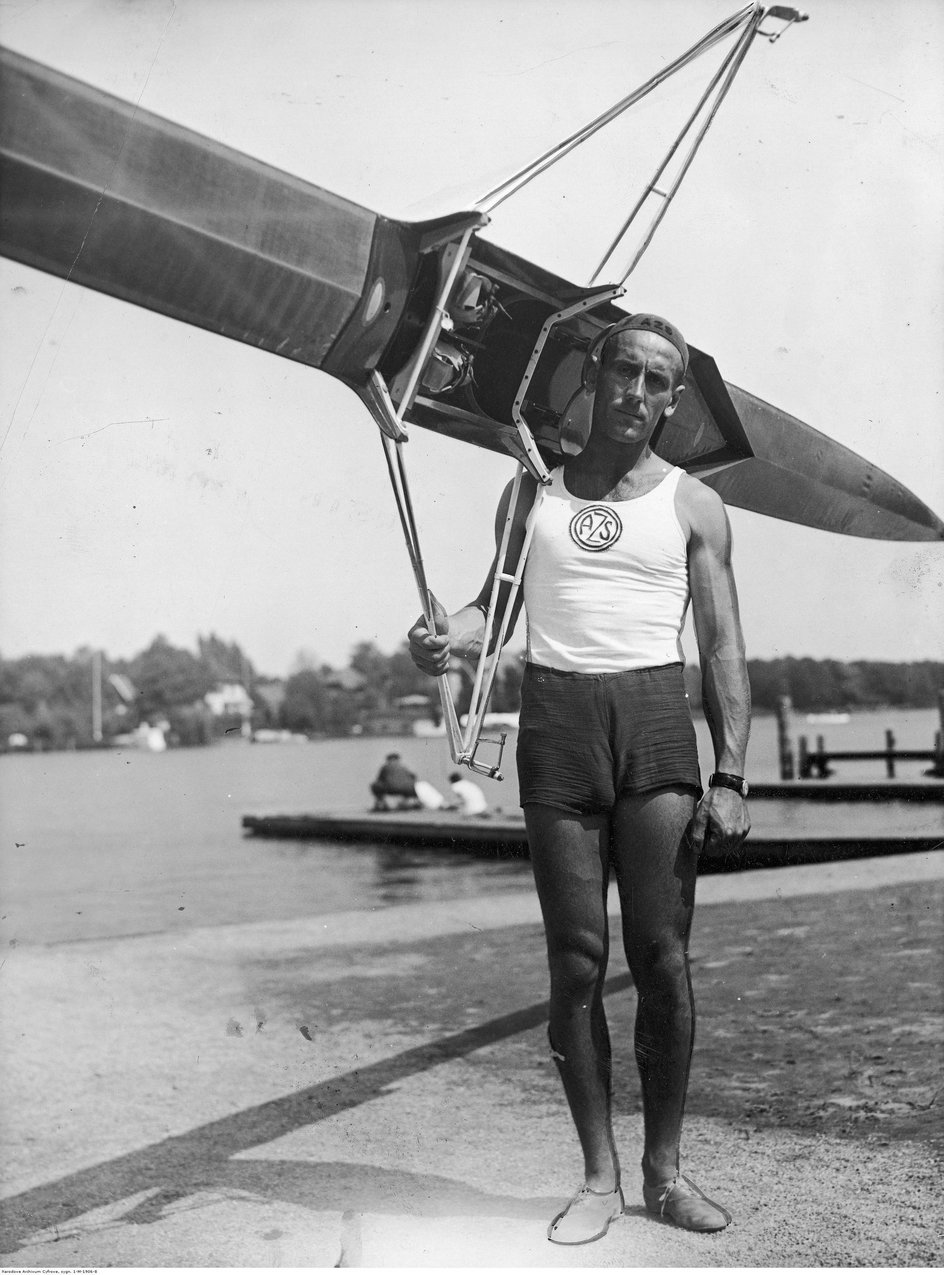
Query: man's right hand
430	651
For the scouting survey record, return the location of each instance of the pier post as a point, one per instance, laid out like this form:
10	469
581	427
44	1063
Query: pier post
937	766
804	758
890	751
784	742
97	697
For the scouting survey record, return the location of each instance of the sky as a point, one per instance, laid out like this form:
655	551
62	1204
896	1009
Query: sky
155	478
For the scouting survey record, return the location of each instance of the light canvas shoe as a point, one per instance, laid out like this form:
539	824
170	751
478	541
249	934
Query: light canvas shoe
682	1202
587	1217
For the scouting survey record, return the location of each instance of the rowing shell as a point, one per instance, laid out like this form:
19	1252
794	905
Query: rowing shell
100	193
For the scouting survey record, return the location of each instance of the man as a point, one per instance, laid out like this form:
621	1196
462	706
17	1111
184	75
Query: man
607	766
393	780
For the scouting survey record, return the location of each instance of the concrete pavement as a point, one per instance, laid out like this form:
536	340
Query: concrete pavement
373	1087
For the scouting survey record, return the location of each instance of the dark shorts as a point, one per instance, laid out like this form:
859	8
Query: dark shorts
586	739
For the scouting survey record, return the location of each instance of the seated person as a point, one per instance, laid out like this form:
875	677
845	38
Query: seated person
393	780
469	798
428	796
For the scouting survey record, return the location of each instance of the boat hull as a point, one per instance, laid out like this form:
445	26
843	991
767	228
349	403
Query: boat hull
103	194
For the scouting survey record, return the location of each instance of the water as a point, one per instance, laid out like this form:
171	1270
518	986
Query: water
117	842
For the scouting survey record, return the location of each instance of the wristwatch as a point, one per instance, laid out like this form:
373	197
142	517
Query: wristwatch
721	780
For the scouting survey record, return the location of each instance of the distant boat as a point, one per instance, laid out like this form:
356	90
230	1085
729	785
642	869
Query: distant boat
495	721
426	728
828	719
152	739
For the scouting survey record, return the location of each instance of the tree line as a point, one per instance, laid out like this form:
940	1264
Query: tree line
47	699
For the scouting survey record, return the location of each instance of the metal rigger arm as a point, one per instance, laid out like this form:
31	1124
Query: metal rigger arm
464	742
389	415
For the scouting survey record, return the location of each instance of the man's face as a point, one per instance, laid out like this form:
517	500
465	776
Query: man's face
637	384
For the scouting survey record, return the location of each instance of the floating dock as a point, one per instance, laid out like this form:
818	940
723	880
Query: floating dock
879	790
775	840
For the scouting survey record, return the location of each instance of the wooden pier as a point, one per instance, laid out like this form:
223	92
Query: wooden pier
503	835
815	763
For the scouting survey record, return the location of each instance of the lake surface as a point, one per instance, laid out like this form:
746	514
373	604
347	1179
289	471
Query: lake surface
116	842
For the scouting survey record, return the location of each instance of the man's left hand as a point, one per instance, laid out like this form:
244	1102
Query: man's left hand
721	822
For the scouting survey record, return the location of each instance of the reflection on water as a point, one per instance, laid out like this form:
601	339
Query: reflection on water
398	876
406	874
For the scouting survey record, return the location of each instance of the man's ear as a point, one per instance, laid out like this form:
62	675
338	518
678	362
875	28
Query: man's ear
591	366
677	394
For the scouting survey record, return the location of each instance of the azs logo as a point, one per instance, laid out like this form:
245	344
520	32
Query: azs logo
596	528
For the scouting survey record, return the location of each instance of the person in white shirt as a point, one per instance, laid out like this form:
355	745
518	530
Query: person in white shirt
469	796
428	796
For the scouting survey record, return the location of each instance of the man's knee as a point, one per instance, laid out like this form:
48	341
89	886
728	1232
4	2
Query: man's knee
658	963
577	963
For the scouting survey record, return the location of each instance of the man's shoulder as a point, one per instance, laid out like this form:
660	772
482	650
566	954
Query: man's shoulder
698	500
700	509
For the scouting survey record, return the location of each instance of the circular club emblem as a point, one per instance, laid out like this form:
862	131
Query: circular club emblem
596	528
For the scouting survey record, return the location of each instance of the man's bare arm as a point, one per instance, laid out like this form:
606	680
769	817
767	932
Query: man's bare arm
462	634
726	693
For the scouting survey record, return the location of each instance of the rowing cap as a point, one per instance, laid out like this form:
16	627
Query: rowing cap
641	323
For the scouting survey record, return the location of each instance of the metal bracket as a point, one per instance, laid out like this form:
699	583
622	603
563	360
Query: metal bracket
377	397
785	14
468	758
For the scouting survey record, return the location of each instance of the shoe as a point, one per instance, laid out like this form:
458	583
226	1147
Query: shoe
680	1201
587	1217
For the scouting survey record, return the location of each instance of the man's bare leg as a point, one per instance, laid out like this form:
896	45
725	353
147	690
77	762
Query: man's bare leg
570	860
656	869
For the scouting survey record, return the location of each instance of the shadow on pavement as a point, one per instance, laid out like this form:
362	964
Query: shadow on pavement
178	1166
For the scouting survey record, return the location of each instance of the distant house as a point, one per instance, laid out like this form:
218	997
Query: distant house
229	699
413	703
345	679
400	718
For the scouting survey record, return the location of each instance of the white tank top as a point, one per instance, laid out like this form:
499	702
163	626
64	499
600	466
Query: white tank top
606	583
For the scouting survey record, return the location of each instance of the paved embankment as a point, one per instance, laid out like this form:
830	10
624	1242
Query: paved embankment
266	1094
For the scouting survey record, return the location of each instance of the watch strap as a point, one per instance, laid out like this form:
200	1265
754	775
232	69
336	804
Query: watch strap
721	779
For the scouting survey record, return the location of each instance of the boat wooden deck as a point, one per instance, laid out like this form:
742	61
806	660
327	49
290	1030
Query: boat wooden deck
503	835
